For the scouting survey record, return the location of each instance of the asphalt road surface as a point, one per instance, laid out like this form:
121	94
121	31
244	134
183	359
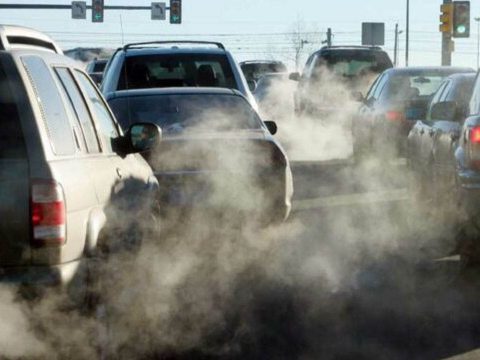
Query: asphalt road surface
358	272
365	276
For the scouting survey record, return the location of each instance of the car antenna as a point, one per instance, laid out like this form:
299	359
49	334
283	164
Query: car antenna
125	72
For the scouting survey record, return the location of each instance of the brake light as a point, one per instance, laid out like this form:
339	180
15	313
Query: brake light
475	135
394	116
48	216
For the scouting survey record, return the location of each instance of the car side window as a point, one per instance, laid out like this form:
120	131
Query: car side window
474	107
436	99
80	108
445	91
374	87
105	122
59	129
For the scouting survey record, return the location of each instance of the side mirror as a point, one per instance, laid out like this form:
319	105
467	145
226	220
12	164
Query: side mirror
358	96
143	136
295	76
271	126
445	110
252	85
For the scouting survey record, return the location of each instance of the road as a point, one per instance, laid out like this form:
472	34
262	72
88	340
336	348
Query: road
358	272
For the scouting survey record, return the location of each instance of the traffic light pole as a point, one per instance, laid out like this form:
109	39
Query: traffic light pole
69	7
447	44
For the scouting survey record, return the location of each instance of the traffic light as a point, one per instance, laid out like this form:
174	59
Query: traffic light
97	11
446	18
175	11
461	19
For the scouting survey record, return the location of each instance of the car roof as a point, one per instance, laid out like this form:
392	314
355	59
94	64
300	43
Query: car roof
350	48
180	47
420	70
176	91
253	62
462	76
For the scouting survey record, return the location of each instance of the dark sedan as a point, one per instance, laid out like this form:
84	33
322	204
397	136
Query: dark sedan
383	122
215	153
432	142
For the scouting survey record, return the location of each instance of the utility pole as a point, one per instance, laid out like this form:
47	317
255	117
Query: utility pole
329	37
477	19
447	43
408	33
395	49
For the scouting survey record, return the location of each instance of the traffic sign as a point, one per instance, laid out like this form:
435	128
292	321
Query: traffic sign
159	11
373	34
79	9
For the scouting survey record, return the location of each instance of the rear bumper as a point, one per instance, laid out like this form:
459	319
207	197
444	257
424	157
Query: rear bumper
194	190
55	275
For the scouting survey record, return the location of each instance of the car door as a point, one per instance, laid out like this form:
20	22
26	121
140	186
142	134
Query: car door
130	177
429	130
447	135
363	123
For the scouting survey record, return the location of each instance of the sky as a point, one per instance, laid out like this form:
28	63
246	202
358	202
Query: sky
257	29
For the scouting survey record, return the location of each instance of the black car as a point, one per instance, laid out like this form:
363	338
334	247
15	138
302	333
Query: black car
216	153
432	142
353	66
396	99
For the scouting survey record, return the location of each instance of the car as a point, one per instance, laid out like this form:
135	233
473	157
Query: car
354	67
432	141
255	69
382	124
95	69
215	152
66	165
174	64
274	95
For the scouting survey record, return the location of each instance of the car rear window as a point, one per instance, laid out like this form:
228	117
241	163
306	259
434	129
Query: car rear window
12	144
256	70
175	113
354	62
404	87
167	70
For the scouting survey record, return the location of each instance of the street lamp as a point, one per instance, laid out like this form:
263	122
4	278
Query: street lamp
477	19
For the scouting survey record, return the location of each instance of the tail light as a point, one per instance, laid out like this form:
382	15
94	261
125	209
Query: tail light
48	216
395	116
474	147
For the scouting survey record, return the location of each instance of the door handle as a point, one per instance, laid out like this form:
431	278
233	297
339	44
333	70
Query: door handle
119	173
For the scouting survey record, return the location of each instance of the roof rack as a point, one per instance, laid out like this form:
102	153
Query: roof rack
261	61
140	44
12	37
373	47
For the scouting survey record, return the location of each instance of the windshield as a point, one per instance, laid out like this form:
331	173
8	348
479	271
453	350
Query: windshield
177	70
177	113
